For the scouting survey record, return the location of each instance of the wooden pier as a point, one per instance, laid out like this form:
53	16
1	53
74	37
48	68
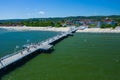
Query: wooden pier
31	48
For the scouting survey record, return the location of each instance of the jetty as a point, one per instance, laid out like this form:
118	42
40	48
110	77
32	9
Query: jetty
44	46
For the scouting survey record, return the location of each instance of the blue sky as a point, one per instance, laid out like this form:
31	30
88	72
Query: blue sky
11	9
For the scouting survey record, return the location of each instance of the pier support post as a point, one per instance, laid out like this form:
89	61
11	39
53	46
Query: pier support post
1	62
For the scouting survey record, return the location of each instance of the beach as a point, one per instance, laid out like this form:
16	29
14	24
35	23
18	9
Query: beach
36	28
63	29
99	30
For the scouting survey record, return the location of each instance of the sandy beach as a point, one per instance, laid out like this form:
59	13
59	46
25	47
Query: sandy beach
36	28
99	30
63	29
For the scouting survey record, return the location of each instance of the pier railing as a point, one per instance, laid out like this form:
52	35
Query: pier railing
28	49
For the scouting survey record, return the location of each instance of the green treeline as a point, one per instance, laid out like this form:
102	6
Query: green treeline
108	26
32	23
58	22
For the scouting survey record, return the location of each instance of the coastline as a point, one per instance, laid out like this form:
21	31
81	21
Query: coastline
62	29
99	30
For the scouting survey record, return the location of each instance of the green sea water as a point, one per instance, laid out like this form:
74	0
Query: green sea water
84	56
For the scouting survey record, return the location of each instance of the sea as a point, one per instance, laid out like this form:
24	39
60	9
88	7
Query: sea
12	41
83	56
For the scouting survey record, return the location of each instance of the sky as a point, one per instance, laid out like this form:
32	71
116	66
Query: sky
22	9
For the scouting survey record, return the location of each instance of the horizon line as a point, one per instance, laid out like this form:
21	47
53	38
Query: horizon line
56	17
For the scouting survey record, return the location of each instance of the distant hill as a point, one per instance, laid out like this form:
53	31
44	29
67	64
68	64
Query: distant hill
56	21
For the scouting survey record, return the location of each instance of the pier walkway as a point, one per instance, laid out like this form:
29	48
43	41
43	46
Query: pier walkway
29	49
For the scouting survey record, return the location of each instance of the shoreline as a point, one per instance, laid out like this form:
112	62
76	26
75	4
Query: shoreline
99	30
61	29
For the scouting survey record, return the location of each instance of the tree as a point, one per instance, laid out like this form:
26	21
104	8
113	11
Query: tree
58	24
108	26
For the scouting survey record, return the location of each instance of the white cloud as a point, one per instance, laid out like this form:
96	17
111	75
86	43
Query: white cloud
41	12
